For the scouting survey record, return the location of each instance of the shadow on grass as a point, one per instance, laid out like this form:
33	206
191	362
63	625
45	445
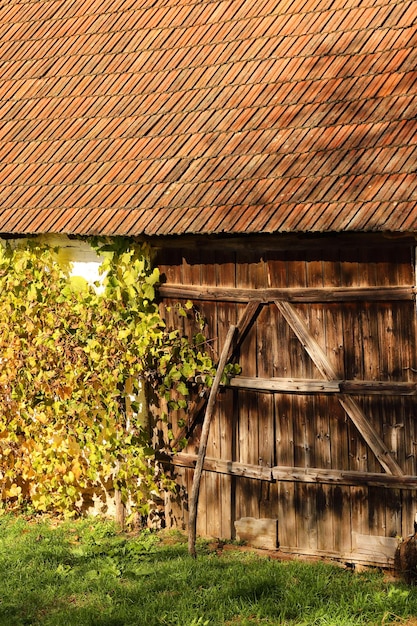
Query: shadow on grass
86	574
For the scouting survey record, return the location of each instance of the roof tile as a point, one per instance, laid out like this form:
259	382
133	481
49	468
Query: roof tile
128	117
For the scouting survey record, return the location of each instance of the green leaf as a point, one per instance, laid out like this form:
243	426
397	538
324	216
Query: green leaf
70	357
182	389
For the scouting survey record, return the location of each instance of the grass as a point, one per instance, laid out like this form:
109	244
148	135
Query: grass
85	573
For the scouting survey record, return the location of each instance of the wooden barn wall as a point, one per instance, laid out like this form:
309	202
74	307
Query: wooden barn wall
372	341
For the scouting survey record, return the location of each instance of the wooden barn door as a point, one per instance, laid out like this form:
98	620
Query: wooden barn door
318	432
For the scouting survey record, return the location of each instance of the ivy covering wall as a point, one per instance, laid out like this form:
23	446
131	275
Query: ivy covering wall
70	354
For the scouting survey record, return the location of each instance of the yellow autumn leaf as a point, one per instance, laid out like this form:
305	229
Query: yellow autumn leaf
41	417
13	491
69	477
76	469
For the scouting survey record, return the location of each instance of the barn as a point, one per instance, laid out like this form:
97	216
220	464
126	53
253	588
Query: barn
267	151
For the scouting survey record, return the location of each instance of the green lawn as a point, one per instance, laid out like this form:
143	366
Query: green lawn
85	573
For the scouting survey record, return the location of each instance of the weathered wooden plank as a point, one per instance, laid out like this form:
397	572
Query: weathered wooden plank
222	466
371	437
301	433
203	442
287	385
368	350
286	513
296	474
378	387
319	424
313	385
408	329
284	432
377	518
357	449
299	528
393	512
341	517
225	275
359	509
408	511
266	428
268	500
351	407
290	294
259	533
248	494
397	412
283	492
337	495
250	273
299	327
332	476
361	558
321	455
376	546
281	243
306	526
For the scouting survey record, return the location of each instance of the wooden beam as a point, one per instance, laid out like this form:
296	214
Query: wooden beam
261	243
204	439
219	466
285	385
378	387
295	474
351	407
312	385
290	294
340	477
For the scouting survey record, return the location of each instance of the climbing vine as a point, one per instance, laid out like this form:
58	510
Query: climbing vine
74	359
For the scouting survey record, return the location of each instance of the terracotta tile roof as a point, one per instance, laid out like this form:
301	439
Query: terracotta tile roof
166	117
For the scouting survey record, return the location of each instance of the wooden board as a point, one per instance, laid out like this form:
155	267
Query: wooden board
357	303
259	533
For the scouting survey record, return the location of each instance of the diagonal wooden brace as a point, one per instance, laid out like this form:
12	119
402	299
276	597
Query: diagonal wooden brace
350	405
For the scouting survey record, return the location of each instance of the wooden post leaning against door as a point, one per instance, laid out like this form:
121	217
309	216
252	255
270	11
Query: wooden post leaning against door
246	319
203	442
